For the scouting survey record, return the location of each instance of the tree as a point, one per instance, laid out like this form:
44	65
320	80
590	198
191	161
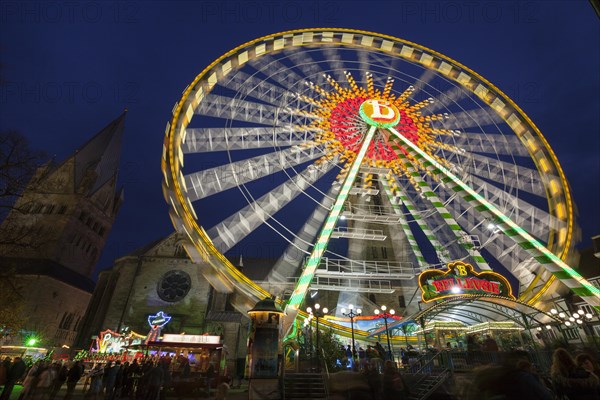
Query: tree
12	317
18	163
331	349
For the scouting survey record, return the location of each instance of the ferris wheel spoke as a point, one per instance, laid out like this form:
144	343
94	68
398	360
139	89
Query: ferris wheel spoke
448	219
336	63
218	179
416	249
251	85
471	118
289	262
204	140
551	262
537	221
486	143
278	72
314	260
308	66
445	99
246	111
233	229
422	82
519	177
505	250
401	197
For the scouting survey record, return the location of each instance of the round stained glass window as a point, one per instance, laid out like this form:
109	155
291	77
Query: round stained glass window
174	286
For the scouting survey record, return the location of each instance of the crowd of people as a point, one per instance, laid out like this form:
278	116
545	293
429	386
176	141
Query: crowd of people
106	381
515	377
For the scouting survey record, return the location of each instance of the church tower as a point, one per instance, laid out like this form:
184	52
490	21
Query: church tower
55	233
67	210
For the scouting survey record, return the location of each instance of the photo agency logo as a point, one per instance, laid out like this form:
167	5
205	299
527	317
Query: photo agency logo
260	12
69	12
71	92
454	12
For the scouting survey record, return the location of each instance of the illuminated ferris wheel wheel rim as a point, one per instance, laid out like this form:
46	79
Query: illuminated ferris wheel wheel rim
184	216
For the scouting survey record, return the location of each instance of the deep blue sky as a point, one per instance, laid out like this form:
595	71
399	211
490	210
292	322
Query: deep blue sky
72	67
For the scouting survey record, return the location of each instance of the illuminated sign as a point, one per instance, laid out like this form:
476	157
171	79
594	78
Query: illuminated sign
159	320
171	338
380	113
460	278
109	342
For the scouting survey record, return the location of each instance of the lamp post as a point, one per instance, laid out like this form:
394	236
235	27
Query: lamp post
317	313
385	315
579	318
351	313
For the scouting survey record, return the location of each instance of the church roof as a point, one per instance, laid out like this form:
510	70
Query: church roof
101	153
32	266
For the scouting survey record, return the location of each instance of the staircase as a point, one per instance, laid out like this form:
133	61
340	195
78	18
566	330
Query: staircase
428	385
304	386
433	373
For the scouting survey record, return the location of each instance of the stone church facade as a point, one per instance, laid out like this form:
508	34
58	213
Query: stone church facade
55	233
161	277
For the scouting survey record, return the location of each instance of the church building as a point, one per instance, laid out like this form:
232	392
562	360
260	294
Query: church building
60	225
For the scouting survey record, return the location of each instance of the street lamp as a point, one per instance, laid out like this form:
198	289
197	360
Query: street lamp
385	315
351	313
317	313
579	318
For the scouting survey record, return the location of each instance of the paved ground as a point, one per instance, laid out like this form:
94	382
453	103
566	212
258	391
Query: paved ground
234	394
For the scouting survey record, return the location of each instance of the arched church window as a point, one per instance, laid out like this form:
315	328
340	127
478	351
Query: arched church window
174	286
180	251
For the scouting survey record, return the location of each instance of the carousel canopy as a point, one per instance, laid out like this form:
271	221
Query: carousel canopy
477	309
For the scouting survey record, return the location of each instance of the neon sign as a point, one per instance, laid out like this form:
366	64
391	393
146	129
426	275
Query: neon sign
459	279
159	320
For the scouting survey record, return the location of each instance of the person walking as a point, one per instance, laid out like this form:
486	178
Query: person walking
394	386
31	380
96	379
61	378
46	377
588	363
571	381
153	380
14	373
73	376
110	379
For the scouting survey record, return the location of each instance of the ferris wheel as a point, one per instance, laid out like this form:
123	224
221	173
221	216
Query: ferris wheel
334	146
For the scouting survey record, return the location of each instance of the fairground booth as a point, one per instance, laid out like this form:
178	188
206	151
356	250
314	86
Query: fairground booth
191	358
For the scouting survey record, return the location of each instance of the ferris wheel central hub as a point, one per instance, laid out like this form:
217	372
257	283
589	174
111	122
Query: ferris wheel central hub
379	113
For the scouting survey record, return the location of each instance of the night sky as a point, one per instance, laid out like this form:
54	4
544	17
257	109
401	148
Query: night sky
70	68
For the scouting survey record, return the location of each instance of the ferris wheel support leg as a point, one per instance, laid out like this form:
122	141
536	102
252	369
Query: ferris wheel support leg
567	275
314	259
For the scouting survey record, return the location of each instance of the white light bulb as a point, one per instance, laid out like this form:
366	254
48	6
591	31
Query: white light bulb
359	311
548	327
344	311
588	316
579	321
350	306
562	315
383	308
317	306
580	312
376	312
309	310
392	311
325	310
567	323
553	311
